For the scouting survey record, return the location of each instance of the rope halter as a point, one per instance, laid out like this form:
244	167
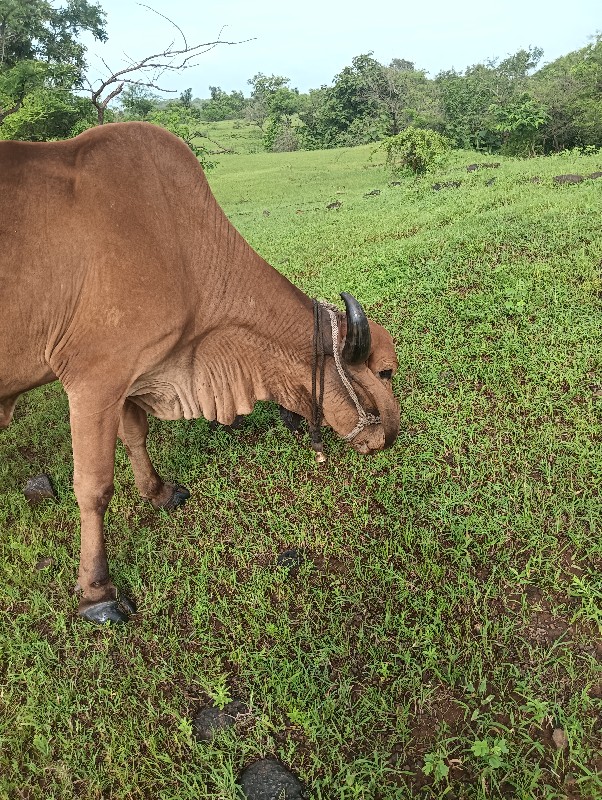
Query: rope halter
317	400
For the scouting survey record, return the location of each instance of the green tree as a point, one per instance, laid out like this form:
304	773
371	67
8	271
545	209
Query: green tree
518	121
222	105
38	30
346	113
402	65
40	54
271	99
48	113
186	98
265	85
137	102
272	107
570	90
404	96
474	102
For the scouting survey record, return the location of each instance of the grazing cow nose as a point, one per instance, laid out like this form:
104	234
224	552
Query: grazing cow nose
371	440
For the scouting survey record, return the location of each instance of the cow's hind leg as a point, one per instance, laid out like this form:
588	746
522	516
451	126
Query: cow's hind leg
94	436
133	430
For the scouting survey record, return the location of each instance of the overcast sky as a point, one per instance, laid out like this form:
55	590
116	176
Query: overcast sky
310	41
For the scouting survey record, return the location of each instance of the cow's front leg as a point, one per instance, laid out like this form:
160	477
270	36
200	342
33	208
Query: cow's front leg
133	430
94	437
7	406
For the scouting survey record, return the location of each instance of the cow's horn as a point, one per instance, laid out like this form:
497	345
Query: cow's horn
357	341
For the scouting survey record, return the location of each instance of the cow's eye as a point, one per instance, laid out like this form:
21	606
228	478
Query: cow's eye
386	374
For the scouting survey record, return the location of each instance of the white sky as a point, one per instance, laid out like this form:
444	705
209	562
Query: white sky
310	41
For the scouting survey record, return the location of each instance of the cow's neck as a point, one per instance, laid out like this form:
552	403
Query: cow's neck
255	342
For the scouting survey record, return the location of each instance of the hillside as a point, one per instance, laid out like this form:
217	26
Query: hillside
442	637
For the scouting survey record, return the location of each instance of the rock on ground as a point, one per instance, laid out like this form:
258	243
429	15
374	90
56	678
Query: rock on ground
268	779
210	720
38	488
291	561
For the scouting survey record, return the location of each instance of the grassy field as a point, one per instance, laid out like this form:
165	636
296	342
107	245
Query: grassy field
237	136
443	637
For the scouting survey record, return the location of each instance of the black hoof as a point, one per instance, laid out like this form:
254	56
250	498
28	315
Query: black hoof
179	497
115	611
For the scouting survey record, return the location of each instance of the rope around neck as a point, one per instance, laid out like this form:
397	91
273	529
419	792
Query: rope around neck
317	400
364	419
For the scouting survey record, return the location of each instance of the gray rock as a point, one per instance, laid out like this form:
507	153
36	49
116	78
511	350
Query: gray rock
474	167
268	779
568	178
447	185
210	720
291	560
38	488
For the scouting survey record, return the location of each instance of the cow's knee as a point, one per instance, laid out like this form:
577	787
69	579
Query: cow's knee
91	497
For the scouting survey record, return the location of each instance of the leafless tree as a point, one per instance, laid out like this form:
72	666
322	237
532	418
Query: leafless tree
148	72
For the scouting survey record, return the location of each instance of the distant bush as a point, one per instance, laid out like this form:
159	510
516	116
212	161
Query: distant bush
415	150
280	136
183	123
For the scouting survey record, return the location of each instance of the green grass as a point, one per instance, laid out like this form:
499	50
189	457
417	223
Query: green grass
236	136
451	619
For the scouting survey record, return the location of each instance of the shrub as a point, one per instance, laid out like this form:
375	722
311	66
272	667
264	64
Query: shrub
415	150
280	136
182	121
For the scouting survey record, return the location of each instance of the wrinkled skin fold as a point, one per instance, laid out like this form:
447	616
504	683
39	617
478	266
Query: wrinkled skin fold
123	279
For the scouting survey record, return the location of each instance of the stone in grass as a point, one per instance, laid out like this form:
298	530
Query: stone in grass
210	720
38	488
268	779
568	178
291	560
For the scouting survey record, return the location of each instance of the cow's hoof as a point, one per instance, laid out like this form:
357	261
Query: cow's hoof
179	496
111	611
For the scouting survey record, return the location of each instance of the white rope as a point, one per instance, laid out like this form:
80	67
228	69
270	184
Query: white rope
364	419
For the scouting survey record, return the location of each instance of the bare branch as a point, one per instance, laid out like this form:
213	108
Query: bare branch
177	27
113	94
170	59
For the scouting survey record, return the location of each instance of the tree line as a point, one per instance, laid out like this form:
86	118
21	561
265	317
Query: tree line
513	106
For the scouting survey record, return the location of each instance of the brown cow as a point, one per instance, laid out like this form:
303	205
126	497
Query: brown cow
122	278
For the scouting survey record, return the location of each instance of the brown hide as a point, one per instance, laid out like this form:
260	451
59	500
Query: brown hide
122	278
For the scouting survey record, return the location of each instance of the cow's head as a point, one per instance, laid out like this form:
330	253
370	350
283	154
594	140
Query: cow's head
363	375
